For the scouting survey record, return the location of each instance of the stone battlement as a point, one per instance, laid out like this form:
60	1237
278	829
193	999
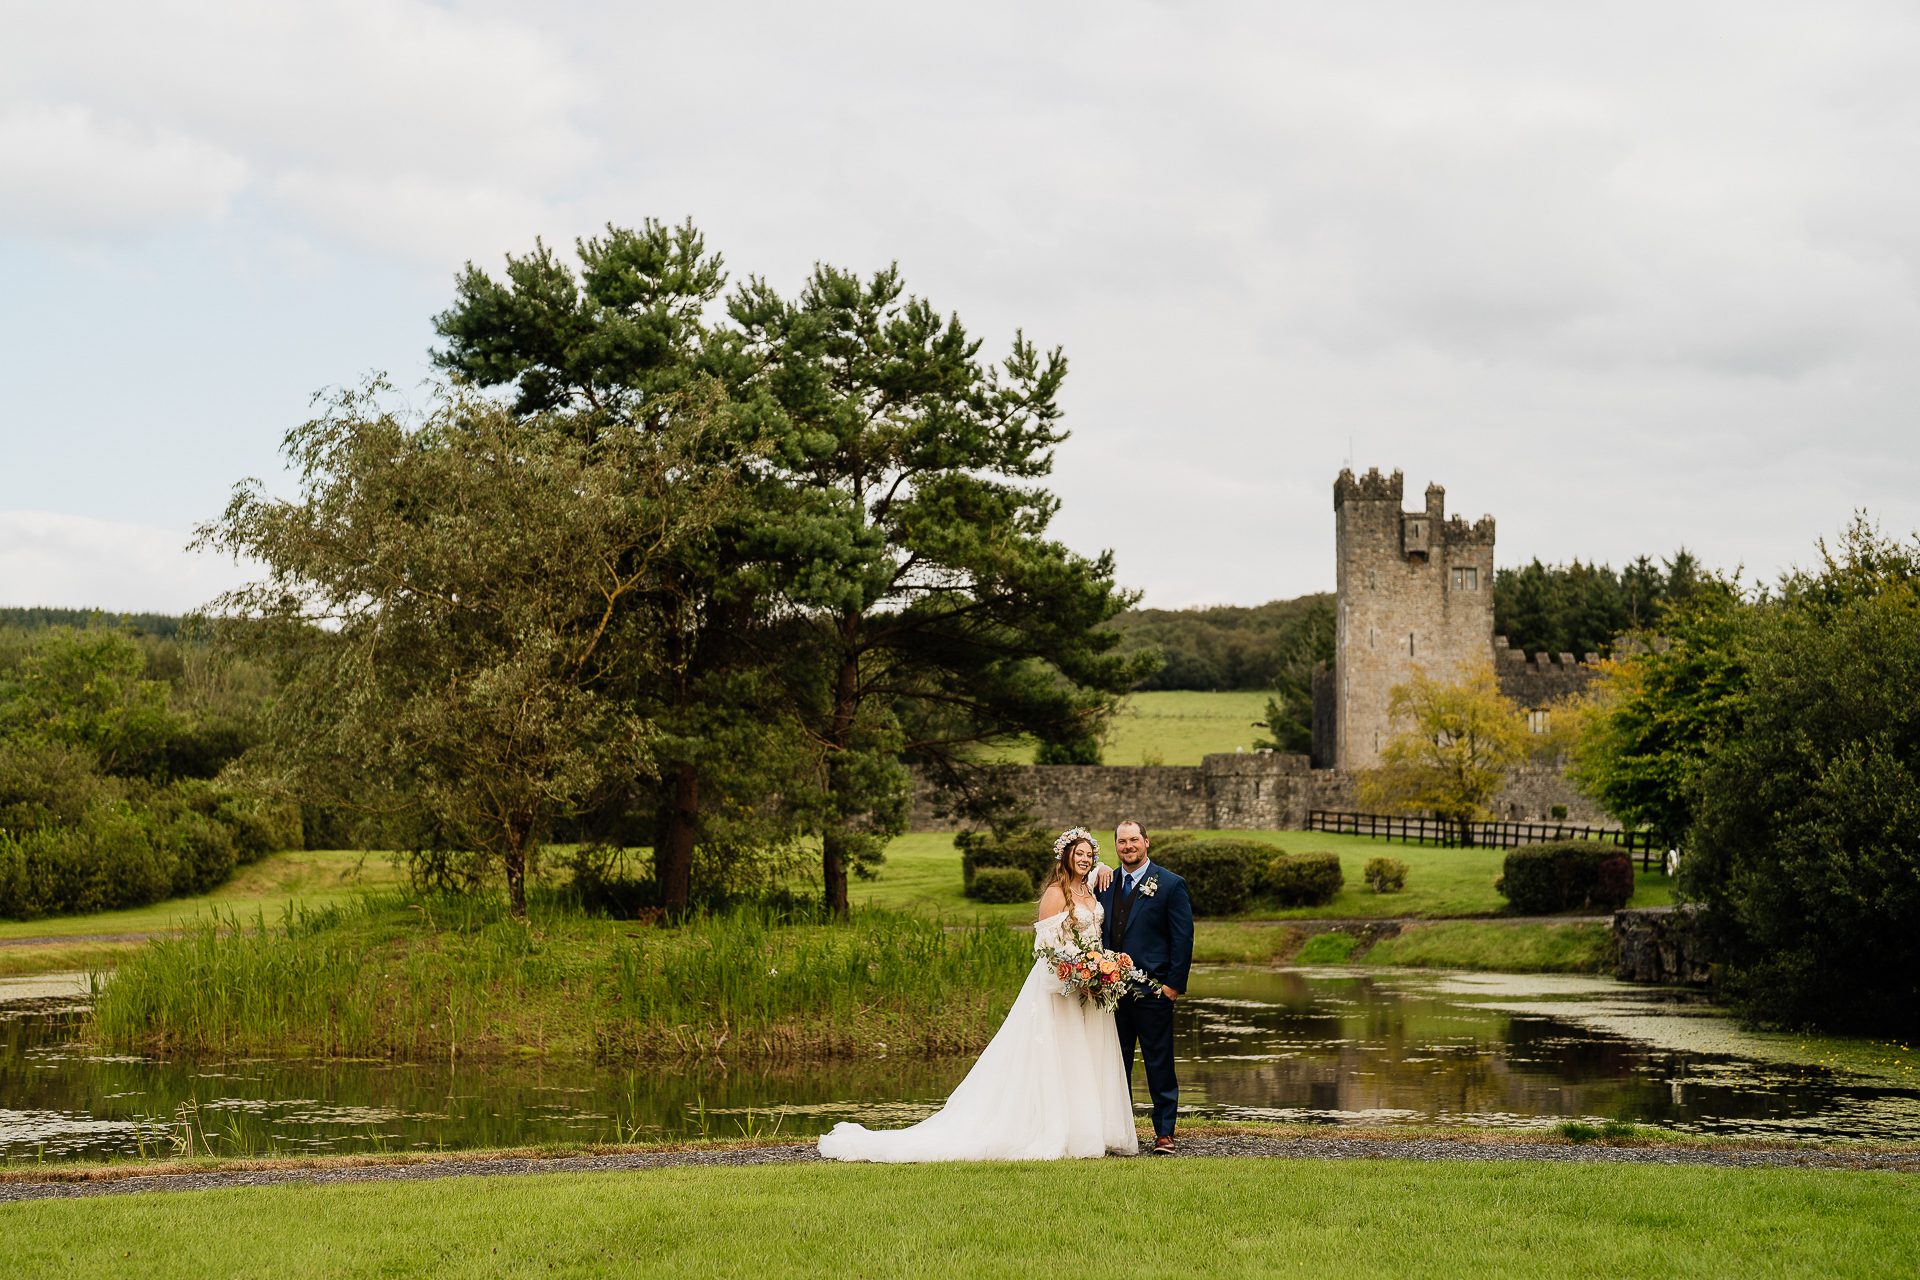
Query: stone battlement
1456	531
1372	487
1546	679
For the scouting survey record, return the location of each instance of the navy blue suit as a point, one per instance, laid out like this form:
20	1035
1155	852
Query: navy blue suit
1158	934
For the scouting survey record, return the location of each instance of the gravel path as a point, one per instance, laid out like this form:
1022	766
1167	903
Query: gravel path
1190	1148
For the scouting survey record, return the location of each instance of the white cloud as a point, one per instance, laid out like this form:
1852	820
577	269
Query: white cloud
1626	276
391	125
69	562
68	173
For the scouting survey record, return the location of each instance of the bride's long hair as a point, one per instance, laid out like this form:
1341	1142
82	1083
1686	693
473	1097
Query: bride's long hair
1062	873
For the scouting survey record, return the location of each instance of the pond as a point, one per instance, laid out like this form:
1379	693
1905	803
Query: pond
1337	1046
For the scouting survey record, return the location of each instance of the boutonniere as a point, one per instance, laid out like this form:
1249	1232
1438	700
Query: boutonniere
1151	887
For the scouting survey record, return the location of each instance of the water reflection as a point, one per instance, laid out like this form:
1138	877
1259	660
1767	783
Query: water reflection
1336	1047
1491	1049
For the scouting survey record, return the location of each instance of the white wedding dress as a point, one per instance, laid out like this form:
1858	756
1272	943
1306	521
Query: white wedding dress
1050	1085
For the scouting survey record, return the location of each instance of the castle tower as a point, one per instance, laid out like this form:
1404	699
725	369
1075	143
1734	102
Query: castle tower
1413	590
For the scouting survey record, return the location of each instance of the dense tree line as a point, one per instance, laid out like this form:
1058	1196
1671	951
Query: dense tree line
163	625
1227	646
1581	608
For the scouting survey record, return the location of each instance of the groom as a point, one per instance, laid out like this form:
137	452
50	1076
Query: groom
1151	919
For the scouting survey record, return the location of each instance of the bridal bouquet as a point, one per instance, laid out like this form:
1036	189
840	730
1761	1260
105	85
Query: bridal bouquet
1091	973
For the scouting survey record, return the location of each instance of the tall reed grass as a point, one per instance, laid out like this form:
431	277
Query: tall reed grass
411	976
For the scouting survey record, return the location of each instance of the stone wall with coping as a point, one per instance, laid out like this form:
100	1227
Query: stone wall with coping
1260	791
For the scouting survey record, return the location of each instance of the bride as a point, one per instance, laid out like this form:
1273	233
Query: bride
1051	1084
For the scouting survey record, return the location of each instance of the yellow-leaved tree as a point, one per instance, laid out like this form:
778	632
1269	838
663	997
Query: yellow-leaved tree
1450	750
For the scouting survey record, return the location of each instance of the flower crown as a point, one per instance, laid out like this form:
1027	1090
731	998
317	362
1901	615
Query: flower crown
1072	837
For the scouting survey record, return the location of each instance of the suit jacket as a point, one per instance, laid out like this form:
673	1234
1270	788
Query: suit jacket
1159	932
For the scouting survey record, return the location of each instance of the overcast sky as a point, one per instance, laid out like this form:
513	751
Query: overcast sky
1627	276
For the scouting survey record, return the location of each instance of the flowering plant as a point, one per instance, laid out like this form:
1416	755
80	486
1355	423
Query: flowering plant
1090	972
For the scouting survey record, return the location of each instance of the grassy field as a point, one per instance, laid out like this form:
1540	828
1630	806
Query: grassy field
1227	1218
312	878
1507	948
922	873
1173	727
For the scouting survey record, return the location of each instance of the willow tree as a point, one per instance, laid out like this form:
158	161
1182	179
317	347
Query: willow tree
451	606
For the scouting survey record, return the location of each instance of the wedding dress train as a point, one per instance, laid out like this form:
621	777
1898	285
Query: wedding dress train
1050	1085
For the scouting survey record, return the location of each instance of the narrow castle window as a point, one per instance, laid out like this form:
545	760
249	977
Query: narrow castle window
1373	635
1370	581
1410	649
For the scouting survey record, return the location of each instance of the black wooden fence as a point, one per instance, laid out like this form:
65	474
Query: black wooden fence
1491	835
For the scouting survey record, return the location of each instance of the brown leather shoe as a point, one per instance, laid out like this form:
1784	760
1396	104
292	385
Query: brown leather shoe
1163	1145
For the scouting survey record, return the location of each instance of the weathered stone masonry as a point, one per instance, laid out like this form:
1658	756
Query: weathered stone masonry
1414	591
1260	791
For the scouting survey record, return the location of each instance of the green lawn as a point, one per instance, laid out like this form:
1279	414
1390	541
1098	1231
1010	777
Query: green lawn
1180	727
1212	1218
1506	948
922	872
314	878
1173	727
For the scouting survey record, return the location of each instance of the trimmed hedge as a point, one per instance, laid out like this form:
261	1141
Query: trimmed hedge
1030	850
1305	879
1220	874
1541	879
1001	884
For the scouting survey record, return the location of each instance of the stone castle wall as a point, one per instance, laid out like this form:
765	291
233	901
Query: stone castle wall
1544	680
1414	592
1263	791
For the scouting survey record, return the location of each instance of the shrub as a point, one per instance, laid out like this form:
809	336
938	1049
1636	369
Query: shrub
182	838
1385	875
202	850
1031	851
104	864
1305	879
1541	879
1220	874
1001	884
1559	813
46	784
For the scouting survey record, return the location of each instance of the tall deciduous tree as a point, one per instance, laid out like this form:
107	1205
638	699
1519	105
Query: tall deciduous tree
1805	844
1451	747
964	623
1662	707
453	608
